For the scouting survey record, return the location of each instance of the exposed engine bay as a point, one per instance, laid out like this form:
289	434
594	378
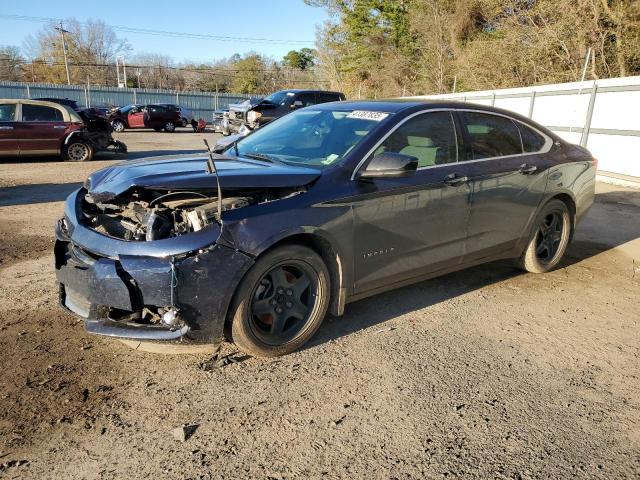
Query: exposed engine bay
146	215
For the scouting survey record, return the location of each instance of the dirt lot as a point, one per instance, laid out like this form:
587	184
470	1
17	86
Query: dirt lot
487	373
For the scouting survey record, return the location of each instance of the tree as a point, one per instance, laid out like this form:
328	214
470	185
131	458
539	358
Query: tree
92	48
383	47
300	59
10	63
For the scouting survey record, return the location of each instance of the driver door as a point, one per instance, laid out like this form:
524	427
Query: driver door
135	119
411	226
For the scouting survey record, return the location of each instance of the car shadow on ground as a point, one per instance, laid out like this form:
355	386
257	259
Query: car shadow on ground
36	193
587	243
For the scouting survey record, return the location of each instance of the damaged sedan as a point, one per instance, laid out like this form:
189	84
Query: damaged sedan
325	206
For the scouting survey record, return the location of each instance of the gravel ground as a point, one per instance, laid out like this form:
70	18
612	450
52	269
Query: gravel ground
486	373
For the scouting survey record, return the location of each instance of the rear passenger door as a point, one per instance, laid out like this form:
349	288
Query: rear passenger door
508	180
41	130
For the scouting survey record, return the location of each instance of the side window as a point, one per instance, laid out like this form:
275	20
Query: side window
324	97
307	99
429	137
40	113
491	135
532	141
156	109
8	112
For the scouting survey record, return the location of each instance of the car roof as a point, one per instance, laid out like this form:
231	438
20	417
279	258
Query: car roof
68	114
408	105
304	90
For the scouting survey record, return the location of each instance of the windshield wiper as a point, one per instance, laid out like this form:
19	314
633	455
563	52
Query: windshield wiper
259	156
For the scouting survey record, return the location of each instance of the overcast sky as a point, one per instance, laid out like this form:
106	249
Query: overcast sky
265	19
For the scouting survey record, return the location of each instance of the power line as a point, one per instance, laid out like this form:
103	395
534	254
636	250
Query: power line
167	33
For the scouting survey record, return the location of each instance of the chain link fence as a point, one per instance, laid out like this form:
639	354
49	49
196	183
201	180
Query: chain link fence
203	104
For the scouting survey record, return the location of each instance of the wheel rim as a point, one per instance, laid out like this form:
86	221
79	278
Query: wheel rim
169	126
549	237
118	126
283	301
78	152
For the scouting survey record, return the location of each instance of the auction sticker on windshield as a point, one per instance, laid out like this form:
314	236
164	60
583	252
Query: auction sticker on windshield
368	115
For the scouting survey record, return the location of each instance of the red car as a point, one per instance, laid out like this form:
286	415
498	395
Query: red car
33	127
158	117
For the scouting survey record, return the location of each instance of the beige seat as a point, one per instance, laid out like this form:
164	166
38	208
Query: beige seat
422	148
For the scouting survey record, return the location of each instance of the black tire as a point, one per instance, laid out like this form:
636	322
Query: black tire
169	126
275	311
78	151
118	126
552	231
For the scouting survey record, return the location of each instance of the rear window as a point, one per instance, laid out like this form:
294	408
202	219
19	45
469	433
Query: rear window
40	113
7	112
491	135
532	141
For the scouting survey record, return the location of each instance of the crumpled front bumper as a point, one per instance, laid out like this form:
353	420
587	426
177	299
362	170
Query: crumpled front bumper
95	282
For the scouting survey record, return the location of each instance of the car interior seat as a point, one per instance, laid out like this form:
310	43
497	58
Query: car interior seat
423	149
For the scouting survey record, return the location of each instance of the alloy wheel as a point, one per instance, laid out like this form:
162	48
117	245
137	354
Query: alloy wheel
118	127
282	302
549	237
78	152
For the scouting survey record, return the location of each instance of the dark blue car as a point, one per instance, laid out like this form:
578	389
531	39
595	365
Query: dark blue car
325	206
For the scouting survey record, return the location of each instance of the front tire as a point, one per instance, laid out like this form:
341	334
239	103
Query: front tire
78	151
549	240
118	126
281	302
169	126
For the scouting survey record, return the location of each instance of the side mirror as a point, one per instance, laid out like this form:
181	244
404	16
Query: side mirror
297	104
390	165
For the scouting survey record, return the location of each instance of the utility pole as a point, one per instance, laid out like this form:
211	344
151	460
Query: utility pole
64	51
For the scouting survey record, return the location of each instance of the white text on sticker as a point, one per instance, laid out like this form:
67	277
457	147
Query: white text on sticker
368	115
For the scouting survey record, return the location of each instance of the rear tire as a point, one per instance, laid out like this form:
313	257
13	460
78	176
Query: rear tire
169	126
281	302
549	240
78	151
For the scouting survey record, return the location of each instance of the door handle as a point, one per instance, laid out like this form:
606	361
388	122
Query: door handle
527	169
455	179
59	126
4	127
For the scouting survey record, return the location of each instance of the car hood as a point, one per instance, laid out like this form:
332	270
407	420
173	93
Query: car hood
191	174
246	105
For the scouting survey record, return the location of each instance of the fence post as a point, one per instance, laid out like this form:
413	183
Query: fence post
531	104
177	98
587	122
493	99
28	91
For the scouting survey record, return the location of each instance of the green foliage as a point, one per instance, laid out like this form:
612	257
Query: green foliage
301	59
373	48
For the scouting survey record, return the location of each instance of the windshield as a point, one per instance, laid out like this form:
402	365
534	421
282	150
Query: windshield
307	137
277	98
